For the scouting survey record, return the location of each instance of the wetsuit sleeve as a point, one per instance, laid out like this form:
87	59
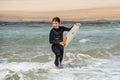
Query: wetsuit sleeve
66	29
51	38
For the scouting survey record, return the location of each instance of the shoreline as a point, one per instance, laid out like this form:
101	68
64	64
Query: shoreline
46	21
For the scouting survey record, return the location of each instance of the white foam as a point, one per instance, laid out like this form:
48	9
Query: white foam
3	73
25	66
71	56
17	67
22	67
62	76
98	68
84	40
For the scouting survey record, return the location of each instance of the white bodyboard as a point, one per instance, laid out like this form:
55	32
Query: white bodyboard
71	34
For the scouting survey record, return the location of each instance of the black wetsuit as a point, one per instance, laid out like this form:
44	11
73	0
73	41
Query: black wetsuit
55	37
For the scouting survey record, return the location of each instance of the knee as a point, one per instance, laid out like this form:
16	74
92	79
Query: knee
57	55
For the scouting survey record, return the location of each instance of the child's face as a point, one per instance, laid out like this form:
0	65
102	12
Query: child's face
55	24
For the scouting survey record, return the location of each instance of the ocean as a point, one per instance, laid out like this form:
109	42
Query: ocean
25	53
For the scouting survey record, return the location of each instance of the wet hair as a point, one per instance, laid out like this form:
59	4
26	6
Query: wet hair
56	19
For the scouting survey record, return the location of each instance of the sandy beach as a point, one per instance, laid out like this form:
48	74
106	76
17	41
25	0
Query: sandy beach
65	9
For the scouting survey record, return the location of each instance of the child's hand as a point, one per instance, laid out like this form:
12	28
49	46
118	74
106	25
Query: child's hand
61	43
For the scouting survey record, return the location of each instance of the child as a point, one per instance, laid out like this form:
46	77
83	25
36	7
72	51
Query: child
56	39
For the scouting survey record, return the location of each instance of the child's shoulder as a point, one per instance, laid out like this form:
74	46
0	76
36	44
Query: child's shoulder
62	27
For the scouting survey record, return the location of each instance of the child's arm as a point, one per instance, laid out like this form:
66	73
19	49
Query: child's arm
68	29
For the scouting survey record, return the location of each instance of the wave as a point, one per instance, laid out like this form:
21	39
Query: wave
93	67
84	40
10	70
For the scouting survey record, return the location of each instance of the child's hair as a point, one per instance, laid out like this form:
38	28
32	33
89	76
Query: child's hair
57	19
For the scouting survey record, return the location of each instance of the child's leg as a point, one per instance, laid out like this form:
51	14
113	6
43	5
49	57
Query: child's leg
57	55
56	60
61	54
61	57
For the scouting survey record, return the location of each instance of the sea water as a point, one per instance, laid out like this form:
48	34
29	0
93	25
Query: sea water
25	53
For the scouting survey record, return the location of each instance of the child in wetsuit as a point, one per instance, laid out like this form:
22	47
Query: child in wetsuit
56	39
